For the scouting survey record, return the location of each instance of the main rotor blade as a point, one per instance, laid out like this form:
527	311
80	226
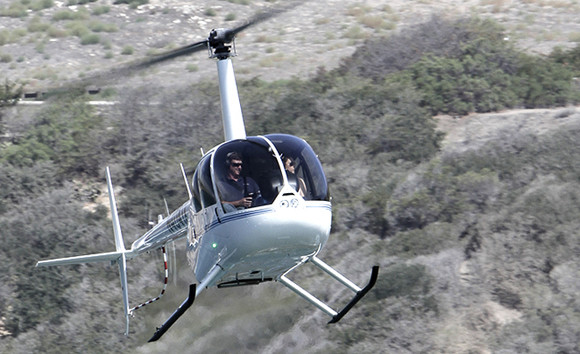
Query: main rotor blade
263	16
102	77
158	58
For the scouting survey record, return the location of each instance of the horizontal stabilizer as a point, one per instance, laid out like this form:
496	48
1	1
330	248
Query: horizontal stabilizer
98	257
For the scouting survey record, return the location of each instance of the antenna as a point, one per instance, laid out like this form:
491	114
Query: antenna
185	179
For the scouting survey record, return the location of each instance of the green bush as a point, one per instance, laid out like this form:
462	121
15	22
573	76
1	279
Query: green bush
7	36
10	93
230	16
68	15
467	66
16	9
442	195
67	133
5	58
429	240
568	58
460	86
79	2
127	50
100	10
90	38
132	3
210	12
403	280
37	25
78	29
543	83
38	5
407	132
97	26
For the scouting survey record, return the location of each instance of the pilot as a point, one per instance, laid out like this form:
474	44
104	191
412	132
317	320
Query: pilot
236	189
290	167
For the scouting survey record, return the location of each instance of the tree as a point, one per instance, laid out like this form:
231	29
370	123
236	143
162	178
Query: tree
10	93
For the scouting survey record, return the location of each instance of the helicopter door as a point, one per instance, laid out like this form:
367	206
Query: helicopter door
247	174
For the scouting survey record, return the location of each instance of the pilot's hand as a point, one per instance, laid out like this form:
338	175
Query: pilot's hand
247	202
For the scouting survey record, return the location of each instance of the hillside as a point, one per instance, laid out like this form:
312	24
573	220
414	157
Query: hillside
470	209
47	41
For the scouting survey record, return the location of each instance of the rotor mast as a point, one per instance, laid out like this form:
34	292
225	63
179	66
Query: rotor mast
233	121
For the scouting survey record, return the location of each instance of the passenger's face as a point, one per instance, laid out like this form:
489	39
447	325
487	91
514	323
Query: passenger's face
236	168
289	165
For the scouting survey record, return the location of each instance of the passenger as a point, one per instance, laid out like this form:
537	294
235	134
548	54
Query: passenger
291	172
236	189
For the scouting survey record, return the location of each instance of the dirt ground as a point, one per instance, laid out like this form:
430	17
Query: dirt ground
475	130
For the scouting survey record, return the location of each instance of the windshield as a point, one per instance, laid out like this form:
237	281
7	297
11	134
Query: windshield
247	173
251	172
302	166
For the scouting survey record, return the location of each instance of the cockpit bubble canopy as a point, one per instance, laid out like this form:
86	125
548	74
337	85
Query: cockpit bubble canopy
308	174
263	163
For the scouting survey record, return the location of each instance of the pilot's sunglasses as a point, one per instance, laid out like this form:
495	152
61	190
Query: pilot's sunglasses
236	164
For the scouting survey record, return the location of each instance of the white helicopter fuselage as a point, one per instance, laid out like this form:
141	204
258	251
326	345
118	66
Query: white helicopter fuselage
262	243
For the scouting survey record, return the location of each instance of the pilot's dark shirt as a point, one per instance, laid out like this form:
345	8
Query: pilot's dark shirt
232	190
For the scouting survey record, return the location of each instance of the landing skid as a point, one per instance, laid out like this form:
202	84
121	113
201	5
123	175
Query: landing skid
180	311
336	316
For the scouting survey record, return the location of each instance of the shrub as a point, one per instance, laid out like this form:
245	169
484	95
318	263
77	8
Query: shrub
210	12
441	194
543	83
429	240
55	32
5	58
41	5
77	28
10	93
378	57
16	9
79	2
90	38
66	133
570	58
403	280
127	50
97	26
100	10
131	3
460	86
36	25
68	15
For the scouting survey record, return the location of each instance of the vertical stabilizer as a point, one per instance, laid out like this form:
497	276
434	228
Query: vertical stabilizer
114	215
120	245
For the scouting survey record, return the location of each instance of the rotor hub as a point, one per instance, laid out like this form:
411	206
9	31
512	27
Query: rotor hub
218	41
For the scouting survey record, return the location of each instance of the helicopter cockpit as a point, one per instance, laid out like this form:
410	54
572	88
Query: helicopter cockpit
258	167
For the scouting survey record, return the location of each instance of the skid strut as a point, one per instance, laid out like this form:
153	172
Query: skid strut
180	311
336	316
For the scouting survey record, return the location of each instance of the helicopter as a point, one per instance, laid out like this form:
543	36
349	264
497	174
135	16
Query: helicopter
258	208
